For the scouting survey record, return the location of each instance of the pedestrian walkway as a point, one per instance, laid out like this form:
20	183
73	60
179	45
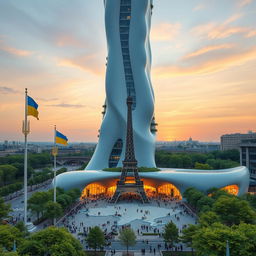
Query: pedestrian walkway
134	253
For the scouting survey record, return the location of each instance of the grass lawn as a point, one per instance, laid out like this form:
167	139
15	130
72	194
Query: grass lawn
141	169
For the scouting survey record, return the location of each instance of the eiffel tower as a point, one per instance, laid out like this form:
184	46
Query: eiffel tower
130	179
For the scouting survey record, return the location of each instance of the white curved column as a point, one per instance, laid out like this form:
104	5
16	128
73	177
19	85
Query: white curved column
128	71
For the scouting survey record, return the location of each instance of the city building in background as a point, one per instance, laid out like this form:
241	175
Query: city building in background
188	146
248	156
233	141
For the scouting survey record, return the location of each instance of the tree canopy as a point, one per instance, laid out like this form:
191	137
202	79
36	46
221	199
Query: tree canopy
5	209
222	217
213	160
171	234
95	238
52	241
127	238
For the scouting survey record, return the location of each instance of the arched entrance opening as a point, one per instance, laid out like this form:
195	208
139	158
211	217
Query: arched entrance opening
231	189
97	190
93	190
169	190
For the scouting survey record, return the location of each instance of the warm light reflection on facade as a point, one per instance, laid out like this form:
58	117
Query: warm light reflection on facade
231	189
111	191
150	191
169	190
94	190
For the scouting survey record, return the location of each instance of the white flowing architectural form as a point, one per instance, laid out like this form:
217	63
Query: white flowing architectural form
234	180
128	74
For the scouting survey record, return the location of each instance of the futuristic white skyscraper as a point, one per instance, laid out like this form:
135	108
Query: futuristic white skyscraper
128	73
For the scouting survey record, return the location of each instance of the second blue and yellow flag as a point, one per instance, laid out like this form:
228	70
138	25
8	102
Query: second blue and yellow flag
32	108
60	138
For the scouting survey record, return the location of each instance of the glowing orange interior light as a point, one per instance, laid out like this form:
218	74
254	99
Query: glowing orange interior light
111	191
95	189
150	191
170	190
231	189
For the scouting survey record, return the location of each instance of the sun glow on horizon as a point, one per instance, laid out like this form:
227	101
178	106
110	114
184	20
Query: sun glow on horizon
203	70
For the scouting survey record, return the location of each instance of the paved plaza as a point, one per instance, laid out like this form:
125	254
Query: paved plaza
142	218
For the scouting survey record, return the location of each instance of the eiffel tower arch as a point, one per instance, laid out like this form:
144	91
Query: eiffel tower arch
129	180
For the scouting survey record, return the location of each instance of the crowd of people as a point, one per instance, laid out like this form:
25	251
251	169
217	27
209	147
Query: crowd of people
79	220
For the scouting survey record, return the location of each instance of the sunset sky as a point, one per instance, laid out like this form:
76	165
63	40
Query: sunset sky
203	72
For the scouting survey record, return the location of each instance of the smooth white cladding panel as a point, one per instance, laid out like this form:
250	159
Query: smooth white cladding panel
127	25
181	178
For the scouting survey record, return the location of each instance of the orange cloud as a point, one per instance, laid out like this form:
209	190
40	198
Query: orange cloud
219	31
198	7
251	33
68	40
14	51
207	49
244	2
165	31
209	66
87	63
233	18
214	31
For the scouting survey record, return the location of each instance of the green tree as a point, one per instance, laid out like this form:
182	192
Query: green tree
22	228
53	210
9	253
54	241
186	161
188	234
64	200
31	248
37	201
74	194
208	218
171	234
127	238
211	240
204	203
200	166
8	173
193	196
1	177
251	199
95	238
5	209
9	234
233	210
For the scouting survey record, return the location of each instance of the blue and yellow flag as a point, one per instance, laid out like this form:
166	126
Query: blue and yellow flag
32	108
60	138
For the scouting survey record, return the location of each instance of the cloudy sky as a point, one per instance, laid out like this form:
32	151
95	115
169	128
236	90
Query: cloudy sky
203	73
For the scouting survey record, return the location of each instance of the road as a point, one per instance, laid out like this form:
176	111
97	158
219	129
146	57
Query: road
17	203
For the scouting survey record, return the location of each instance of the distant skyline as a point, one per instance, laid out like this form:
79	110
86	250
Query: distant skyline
203	73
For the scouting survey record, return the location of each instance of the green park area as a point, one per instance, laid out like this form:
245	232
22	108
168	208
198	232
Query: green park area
221	217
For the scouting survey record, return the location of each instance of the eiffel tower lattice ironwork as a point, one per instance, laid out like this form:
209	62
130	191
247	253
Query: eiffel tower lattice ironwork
130	180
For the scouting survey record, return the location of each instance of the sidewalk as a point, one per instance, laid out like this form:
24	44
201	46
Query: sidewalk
135	253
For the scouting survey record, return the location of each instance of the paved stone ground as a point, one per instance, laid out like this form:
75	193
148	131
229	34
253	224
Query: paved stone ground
135	253
149	218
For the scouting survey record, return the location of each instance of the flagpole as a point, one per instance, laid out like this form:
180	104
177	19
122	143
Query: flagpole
25	132
54	169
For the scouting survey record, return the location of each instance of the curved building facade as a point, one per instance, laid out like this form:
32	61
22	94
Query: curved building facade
127	25
167	181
